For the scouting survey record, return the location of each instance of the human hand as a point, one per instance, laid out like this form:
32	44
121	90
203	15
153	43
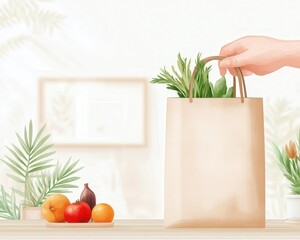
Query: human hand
253	54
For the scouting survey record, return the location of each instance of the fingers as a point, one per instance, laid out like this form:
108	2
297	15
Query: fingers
245	71
232	71
235	61
232	48
222	70
236	56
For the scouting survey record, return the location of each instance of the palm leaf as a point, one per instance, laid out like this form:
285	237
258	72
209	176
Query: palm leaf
37	153
31	166
42	162
28	158
30	134
20	153
26	139
40	132
23	144
13	167
32	159
8	208
16	163
39	168
37	144
62	177
22	161
41	157
17	179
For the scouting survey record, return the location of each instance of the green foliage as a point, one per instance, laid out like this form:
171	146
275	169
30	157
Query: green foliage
32	167
12	44
58	182
28	13
8	207
220	89
203	88
289	167
30	156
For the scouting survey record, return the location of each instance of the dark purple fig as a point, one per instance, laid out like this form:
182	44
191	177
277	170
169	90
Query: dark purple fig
88	196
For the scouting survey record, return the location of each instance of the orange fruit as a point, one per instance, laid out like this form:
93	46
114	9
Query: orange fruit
54	207
103	212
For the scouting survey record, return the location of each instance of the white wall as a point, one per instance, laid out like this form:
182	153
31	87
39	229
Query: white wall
134	38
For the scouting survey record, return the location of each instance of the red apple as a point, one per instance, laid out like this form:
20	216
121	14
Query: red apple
78	212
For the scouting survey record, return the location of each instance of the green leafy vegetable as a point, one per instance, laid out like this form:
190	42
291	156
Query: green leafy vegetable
180	81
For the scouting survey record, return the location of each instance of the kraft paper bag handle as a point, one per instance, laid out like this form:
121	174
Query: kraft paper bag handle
243	92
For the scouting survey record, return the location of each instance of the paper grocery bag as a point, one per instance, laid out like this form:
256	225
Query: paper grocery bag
214	163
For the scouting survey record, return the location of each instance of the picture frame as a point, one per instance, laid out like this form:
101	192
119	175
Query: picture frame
94	111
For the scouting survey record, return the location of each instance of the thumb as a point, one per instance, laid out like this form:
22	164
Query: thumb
235	61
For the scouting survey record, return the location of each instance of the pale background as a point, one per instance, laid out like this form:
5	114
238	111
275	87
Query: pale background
134	38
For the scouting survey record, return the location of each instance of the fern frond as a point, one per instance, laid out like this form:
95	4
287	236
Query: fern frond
45	19
29	13
12	44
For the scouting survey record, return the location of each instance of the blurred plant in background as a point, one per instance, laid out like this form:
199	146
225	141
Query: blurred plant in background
25	18
27	27
281	124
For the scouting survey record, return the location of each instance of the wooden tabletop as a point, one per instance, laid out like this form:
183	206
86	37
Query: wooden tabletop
143	229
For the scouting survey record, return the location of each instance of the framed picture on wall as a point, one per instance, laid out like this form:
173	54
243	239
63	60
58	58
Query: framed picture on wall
94	112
